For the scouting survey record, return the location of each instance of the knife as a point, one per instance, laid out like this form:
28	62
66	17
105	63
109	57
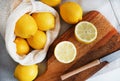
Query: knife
109	58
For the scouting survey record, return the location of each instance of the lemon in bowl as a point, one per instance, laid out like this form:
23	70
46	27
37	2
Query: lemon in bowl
25	26
38	40
85	32
44	20
22	46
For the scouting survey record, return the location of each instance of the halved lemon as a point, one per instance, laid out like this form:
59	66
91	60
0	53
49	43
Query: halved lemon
65	52
85	32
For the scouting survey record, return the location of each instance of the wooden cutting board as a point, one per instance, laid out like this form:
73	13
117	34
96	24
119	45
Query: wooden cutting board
108	40
112	45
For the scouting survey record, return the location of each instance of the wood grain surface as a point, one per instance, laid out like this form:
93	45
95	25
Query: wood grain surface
112	45
104	44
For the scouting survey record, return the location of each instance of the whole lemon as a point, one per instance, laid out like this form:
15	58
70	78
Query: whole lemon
25	26
37	41
51	2
44	20
22	46
26	73
71	12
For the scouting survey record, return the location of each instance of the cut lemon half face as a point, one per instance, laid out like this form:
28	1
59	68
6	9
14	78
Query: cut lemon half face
85	32
65	52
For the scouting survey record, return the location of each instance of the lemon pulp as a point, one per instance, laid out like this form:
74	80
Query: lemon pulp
65	52
85	32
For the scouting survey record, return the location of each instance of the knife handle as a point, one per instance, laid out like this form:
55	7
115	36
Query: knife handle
69	74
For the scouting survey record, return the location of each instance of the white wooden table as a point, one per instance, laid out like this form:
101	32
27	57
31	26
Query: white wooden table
109	8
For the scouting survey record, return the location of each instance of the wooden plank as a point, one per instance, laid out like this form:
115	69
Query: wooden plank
55	68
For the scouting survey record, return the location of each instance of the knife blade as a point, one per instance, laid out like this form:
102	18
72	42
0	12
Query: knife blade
109	58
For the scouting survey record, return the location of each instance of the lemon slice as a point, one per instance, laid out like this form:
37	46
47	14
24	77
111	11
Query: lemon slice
65	52
85	32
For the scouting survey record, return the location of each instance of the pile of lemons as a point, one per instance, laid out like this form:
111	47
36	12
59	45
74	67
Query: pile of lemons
30	31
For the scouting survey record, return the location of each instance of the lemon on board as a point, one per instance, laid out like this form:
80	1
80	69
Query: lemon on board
65	52
37	41
25	26
26	73
22	46
85	32
44	20
51	2
71	12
